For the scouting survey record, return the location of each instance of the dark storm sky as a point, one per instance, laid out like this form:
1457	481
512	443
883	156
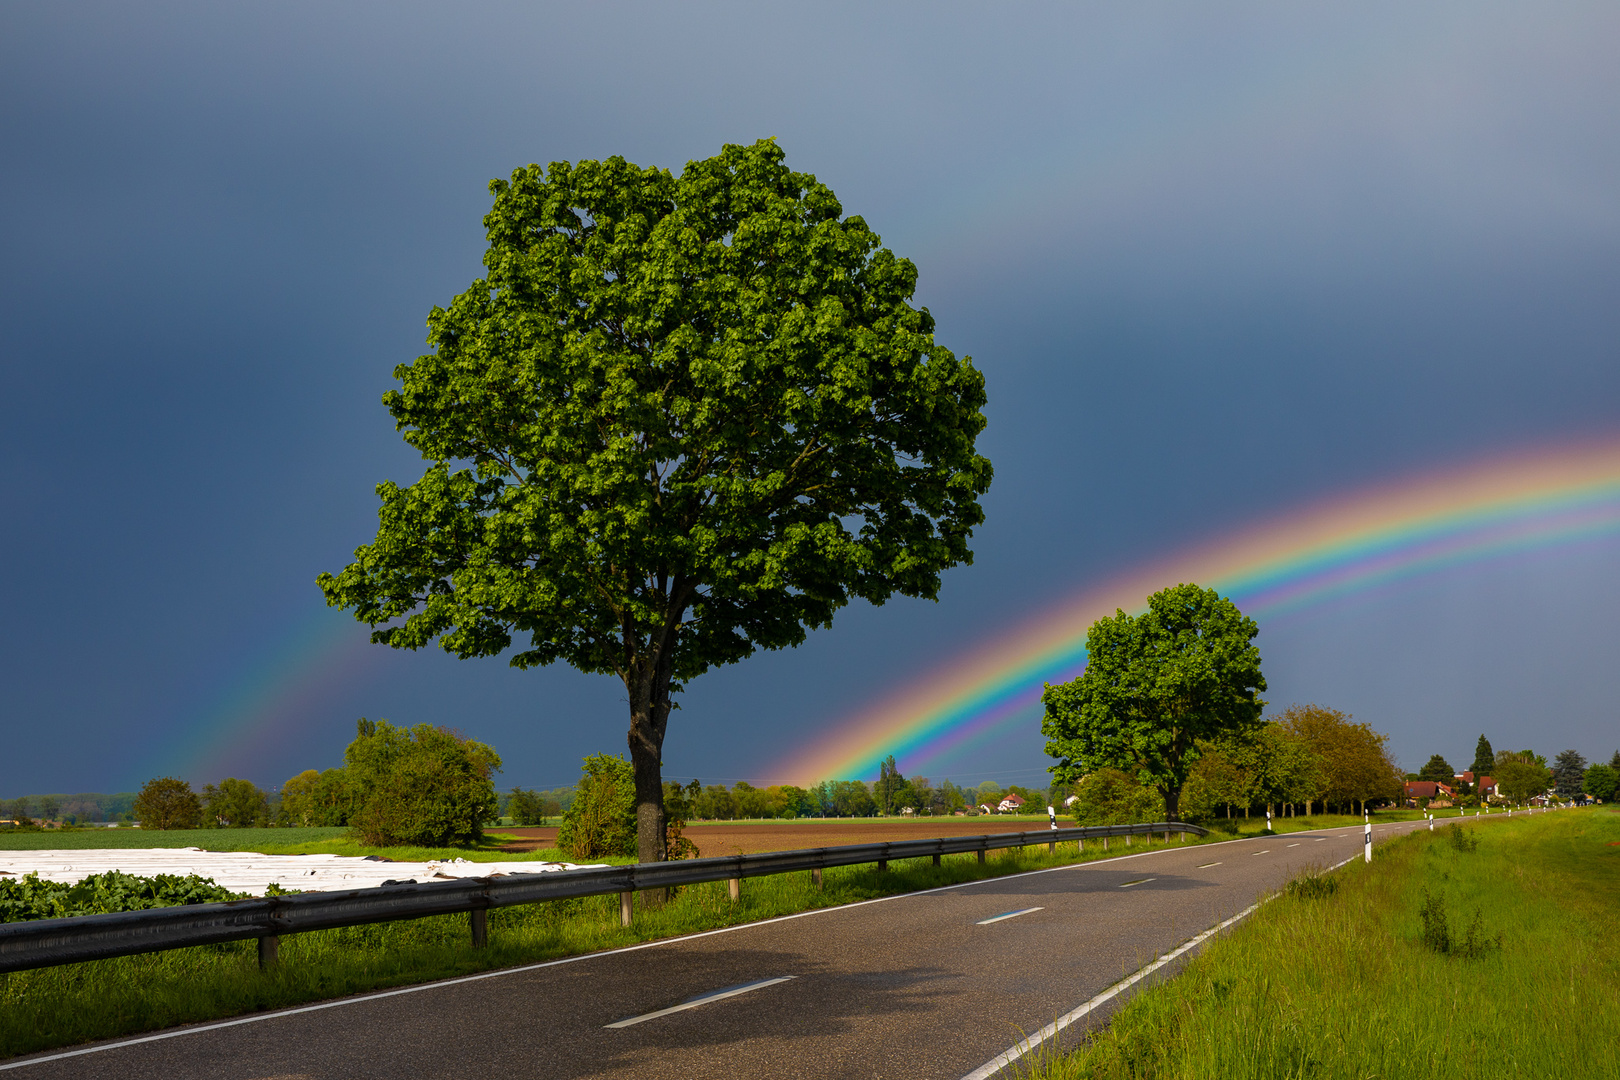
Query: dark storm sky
1215	262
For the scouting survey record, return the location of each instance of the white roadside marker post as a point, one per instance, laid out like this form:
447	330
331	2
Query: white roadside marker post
1367	843
1268	817
1051	815
1431	820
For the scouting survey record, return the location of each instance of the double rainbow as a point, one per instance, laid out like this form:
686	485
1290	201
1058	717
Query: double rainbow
1340	547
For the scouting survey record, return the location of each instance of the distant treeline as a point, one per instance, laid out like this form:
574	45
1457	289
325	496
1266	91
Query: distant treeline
86	806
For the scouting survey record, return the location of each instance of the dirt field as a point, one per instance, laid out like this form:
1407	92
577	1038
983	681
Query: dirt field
746	837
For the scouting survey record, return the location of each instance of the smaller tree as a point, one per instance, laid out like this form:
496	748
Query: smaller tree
1437	768
48	808
1568	770
1521	780
1484	758
1600	782
423	785
298	799
1155	688
235	804
525	807
19	810
167	803
602	818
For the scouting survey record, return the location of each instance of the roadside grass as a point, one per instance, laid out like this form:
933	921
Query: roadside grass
1346	981
52	1007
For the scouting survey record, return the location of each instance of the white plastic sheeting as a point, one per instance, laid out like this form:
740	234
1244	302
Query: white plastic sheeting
250	872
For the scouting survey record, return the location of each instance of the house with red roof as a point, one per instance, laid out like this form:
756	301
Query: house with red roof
1436	791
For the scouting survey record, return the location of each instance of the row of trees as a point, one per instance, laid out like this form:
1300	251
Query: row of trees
421	785
1309	756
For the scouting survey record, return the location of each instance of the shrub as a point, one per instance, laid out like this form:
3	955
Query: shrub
1111	797
423	786
1462	839
167	803
30	898
1313	886
602	818
1437	935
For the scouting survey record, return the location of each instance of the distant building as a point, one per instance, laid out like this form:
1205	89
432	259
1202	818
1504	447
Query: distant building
1011	804
1435	791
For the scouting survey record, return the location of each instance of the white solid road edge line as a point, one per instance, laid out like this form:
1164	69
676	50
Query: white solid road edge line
1007	915
1012	1054
357	999
720	995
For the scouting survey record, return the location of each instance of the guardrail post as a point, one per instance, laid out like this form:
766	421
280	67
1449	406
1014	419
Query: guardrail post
478	920
815	877
269	952
627	907
734	887
936	858
883	865
980	853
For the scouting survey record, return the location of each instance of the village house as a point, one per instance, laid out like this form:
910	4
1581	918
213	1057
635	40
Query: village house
1011	804
1437	792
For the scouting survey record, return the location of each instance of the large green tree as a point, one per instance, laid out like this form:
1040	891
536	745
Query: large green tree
679	419
1484	759
1154	685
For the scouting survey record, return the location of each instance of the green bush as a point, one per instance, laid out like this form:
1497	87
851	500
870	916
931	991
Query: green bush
602	819
1111	797
421	786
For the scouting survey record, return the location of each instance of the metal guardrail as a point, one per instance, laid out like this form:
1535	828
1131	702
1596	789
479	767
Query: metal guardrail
47	942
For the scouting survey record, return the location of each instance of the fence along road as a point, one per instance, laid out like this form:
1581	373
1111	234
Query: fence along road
921	985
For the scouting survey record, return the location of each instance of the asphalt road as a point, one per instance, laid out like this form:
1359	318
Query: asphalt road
913	987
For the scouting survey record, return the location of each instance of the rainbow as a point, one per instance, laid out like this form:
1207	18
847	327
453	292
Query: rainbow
265	702
1343	546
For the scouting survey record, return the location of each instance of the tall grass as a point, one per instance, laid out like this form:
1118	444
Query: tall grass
1444	957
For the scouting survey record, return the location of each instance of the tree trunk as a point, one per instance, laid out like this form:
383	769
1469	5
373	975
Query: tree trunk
1172	803
649	717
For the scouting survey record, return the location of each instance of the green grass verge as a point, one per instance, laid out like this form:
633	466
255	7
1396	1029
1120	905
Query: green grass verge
1343	985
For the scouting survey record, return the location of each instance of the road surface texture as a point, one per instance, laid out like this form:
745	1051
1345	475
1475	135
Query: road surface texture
925	985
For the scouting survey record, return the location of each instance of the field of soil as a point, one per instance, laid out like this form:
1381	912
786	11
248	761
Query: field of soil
745	837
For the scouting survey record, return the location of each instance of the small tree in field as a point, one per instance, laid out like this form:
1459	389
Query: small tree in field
680	419
423	785
167	803
1154	686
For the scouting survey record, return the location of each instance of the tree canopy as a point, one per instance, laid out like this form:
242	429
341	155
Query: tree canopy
1356	762
1155	685
1437	768
1568	772
1484	759
679	419
1521	780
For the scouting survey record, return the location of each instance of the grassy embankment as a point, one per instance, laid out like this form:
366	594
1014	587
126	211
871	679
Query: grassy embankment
60	1006
1345	984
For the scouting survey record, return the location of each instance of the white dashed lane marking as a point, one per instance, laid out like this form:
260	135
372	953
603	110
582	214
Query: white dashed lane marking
1207	865
1007	915
704	999
1138	881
